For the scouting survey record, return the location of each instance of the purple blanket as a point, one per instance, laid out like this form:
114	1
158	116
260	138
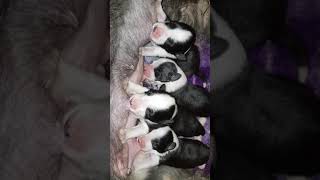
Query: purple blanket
204	49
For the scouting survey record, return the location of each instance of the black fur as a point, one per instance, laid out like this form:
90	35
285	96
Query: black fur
164	143
177	47
186	124
166	72
196	99
193	98
191	153
272	123
160	115
190	65
188	57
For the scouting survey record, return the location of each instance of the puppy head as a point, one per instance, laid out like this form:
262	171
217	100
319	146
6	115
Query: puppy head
161	140
154	105
154	146
166	72
173	36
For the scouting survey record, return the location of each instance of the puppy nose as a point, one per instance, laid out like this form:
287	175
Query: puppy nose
141	143
131	100
154	28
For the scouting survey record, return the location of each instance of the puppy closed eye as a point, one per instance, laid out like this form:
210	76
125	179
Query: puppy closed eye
149	113
156	73
155	144
175	76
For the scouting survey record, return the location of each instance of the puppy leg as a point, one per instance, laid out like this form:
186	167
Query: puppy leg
161	15
136	131
155	85
135	78
133	88
131	85
156	51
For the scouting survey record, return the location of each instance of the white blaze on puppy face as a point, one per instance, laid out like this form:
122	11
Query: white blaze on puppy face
161	32
158	134
157	102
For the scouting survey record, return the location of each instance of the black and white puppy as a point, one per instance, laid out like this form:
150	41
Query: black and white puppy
157	106
166	75
160	108
160	145
175	40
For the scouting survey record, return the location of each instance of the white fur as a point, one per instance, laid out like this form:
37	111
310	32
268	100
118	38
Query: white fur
155	102
171	86
145	160
156	134
161	15
156	51
140	174
134	88
136	131
177	35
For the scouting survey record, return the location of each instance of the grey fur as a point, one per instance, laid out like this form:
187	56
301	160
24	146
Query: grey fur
131	22
227	66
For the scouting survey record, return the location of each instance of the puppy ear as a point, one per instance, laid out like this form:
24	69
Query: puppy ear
181	57
171	146
162	87
175	76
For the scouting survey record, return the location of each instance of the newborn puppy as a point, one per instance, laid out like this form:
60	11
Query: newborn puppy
160	145
166	75
175	40
156	106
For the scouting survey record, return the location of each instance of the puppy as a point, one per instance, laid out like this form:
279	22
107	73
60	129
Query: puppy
164	74
160	145
175	40
156	106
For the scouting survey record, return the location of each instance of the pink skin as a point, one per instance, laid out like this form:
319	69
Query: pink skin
132	147
134	102
121	166
157	32
141	143
130	150
137	75
147	70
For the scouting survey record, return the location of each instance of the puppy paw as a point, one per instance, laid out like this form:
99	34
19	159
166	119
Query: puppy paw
122	135
125	83
202	166
151	84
